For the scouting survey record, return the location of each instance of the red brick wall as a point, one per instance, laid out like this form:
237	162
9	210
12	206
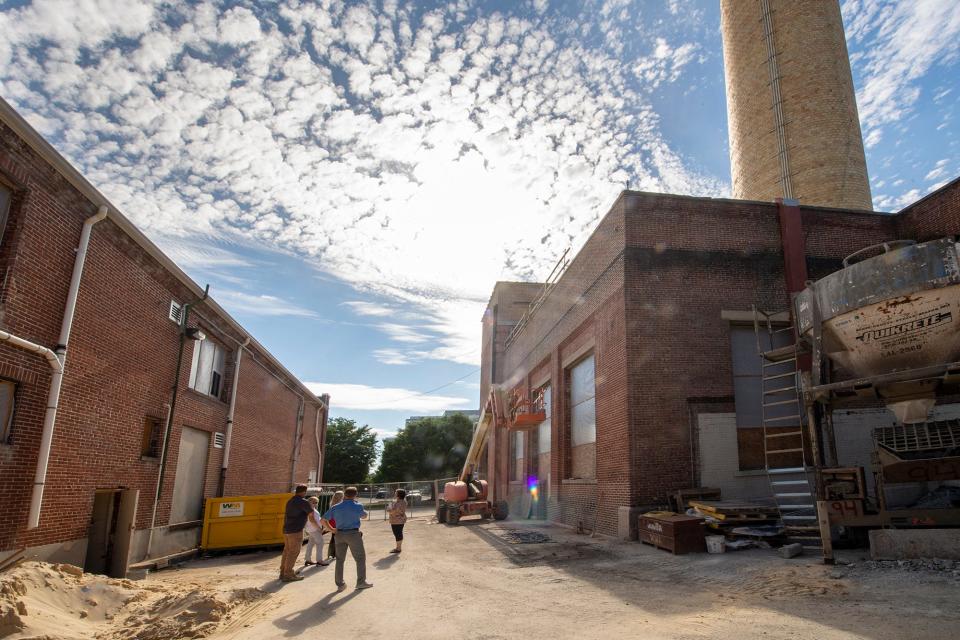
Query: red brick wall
120	368
646	294
935	216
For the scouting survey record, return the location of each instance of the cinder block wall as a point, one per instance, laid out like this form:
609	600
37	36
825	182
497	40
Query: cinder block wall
827	166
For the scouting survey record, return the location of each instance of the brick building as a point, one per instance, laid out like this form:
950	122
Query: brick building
116	394
643	349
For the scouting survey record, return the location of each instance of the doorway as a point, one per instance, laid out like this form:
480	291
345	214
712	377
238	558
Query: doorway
111	531
191	473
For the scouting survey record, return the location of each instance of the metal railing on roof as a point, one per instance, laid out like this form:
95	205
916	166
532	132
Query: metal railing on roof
548	285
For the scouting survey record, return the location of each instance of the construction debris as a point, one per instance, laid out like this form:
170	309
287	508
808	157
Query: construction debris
790	550
524	536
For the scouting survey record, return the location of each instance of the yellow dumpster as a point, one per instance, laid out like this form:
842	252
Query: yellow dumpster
243	521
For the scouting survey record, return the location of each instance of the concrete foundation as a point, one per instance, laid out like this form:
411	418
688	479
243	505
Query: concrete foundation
166	541
909	544
71	552
627	522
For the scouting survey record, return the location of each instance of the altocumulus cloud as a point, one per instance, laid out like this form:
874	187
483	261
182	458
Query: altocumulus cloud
418	153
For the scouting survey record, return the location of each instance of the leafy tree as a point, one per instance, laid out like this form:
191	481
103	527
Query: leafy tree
428	448
351	450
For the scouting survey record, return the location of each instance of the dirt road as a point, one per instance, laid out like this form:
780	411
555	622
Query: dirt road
470	581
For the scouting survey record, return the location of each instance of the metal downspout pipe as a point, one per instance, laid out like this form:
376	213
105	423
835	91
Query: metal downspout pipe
57	359
228	437
297	436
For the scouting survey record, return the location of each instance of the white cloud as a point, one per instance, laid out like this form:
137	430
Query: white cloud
938	170
361	396
239	26
900	42
260	305
364	308
418	158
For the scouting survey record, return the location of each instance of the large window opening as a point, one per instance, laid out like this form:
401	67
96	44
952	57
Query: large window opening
517	457
583	419
8	392
6	199
206	375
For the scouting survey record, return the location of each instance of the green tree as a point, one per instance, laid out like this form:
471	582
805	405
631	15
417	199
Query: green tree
428	448
350	451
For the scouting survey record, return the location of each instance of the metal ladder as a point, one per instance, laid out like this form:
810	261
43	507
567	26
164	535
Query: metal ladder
792	486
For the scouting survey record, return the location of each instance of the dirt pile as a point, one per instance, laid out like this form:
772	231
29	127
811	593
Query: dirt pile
41	600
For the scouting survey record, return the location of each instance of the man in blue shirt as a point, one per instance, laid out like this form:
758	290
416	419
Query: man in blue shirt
347	516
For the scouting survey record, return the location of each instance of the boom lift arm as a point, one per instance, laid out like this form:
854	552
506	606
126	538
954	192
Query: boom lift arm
468	495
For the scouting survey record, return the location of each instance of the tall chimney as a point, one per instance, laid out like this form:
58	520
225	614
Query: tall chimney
794	129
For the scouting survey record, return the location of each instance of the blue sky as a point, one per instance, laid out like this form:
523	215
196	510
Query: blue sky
352	177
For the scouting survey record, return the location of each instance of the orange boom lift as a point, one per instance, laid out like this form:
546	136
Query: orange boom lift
468	494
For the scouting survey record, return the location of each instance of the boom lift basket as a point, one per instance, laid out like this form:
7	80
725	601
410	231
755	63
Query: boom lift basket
525	414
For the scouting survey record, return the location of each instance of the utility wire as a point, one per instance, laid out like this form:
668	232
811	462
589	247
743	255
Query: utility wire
425	393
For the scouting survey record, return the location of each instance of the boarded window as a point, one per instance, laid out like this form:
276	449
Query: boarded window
206	375
152	438
8	391
748	389
543	431
747	372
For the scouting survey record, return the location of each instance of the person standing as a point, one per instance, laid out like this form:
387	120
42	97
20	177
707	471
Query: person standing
347	516
315	533
332	548
294	520
398	517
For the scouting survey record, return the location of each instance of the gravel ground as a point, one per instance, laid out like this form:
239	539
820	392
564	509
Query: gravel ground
486	580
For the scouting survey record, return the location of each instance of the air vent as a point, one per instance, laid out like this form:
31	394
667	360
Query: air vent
218	439
176	311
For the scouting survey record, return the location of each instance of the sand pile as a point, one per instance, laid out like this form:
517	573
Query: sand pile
41	600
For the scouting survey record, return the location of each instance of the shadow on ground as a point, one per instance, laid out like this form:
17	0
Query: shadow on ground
664	584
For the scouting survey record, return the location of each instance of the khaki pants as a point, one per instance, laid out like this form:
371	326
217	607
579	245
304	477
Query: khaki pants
291	549
354	541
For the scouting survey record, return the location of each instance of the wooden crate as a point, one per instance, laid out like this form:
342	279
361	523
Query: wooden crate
676	533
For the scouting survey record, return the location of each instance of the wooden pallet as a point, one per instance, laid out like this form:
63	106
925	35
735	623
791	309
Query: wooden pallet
739	511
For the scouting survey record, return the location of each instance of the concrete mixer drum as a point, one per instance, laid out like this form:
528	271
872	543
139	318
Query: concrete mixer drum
891	312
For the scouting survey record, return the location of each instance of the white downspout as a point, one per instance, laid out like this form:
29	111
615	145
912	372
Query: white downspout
316	436
57	361
228	437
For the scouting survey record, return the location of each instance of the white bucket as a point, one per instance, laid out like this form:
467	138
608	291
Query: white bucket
715	544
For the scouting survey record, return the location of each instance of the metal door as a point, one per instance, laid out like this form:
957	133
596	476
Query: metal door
191	473
123	534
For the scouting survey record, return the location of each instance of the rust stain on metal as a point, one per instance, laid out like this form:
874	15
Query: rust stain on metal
892	305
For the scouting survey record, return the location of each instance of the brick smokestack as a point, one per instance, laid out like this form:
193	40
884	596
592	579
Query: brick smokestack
794	128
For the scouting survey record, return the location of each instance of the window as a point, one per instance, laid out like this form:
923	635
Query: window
517	455
206	375
8	394
583	412
6	198
152	438
543	431
583	418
